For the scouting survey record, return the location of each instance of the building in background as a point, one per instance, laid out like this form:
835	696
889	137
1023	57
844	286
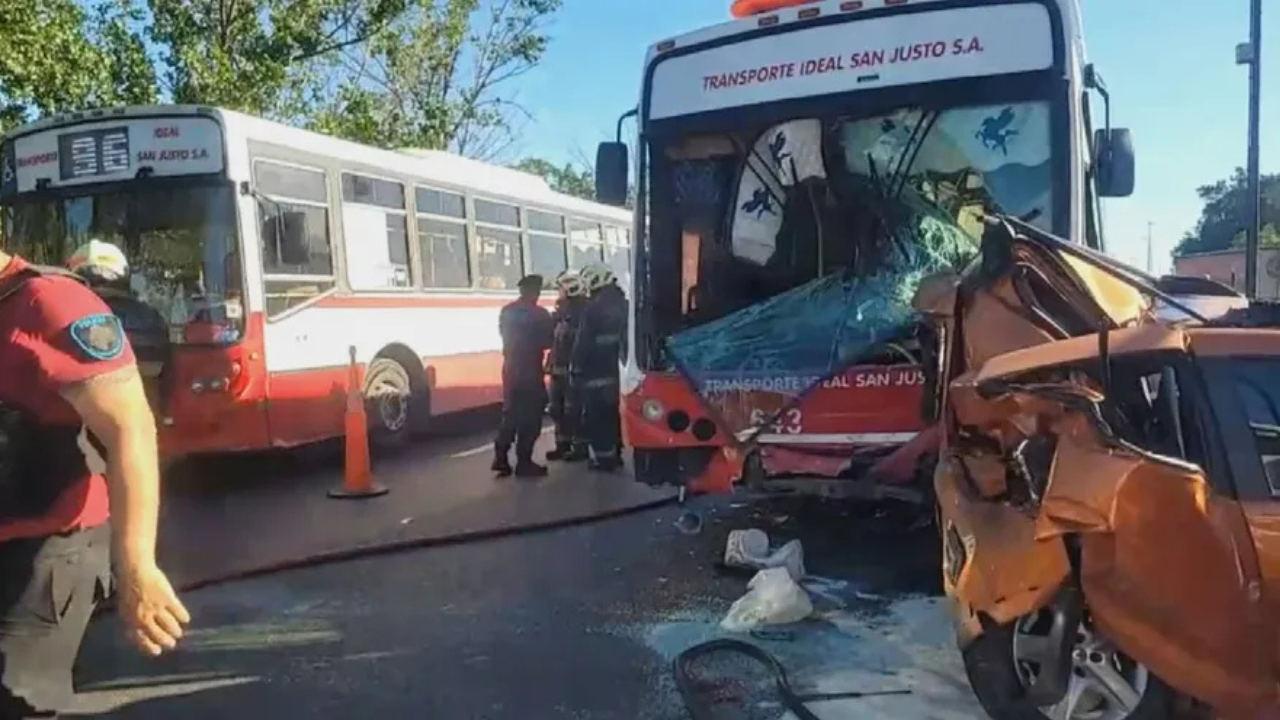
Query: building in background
1227	267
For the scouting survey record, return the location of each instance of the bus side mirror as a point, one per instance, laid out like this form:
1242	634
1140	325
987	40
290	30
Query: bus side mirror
1113	162
611	173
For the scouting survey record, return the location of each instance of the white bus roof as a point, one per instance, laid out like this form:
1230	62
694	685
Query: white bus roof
428	166
1070	12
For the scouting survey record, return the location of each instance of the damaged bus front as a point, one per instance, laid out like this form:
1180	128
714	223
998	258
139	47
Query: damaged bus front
799	172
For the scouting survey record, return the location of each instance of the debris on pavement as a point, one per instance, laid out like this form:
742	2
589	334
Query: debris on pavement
689	523
773	598
750	549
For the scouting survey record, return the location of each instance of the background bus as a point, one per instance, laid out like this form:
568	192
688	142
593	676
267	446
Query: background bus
802	168
270	250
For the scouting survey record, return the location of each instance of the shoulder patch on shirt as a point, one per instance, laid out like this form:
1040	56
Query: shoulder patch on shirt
99	336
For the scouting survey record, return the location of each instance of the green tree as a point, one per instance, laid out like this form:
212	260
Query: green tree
566	179
1222	220
431	79
60	55
258	55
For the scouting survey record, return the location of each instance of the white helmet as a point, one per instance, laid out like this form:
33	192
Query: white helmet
571	284
98	261
597	276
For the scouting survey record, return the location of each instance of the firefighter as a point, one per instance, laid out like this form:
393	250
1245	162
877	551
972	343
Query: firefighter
597	354
527	331
75	428
566	409
104	268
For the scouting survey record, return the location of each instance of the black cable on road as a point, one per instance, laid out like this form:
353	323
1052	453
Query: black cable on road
377	549
700	709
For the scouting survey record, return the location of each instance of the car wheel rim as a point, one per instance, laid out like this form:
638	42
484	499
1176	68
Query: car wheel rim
1104	684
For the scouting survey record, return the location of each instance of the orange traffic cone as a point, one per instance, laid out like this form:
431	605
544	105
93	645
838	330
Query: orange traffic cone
357	476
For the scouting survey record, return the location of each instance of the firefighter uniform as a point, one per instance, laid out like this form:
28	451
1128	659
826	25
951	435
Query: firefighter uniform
55	564
595	364
566	408
526	330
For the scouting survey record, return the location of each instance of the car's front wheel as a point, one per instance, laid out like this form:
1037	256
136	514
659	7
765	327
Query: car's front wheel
1102	683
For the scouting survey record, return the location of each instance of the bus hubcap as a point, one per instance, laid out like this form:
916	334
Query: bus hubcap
393	406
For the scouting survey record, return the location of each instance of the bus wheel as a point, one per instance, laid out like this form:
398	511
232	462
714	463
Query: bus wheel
389	402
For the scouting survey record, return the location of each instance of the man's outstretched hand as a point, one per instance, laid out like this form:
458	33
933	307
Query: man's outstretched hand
154	617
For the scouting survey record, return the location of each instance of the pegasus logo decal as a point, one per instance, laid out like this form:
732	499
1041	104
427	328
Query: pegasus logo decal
777	149
995	132
760	203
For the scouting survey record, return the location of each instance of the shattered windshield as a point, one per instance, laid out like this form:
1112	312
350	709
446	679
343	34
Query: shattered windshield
180	242
828	226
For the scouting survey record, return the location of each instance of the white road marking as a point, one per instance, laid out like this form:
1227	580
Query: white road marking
487	447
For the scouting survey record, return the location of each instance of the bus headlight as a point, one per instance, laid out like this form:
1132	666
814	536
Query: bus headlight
652	410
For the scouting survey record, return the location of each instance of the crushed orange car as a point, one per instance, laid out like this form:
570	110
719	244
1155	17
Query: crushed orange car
1108	483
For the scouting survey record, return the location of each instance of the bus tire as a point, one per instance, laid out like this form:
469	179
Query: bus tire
391	403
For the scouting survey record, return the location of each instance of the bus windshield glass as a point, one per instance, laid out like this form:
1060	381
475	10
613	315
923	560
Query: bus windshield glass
782	256
181	244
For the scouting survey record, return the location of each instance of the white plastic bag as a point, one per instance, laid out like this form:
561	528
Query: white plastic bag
746	548
772	598
750	548
789	556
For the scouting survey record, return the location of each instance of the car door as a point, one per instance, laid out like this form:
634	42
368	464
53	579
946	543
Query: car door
1167	562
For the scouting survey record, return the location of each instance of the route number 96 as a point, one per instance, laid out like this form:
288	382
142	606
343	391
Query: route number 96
789	422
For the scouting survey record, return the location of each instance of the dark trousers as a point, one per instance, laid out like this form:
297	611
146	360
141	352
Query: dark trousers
49	588
602	421
566	411
522	409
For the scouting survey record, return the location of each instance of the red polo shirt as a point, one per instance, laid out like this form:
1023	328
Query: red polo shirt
38	357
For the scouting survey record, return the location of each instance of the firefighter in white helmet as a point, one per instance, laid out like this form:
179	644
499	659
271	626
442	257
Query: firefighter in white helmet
594	367
566	406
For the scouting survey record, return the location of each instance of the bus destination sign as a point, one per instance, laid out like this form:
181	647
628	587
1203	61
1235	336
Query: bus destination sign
118	149
93	152
859	54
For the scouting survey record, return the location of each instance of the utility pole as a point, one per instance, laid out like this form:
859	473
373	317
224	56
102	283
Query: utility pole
1151	258
1251	54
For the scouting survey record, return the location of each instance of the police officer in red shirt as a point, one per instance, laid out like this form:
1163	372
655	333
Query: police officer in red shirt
75	433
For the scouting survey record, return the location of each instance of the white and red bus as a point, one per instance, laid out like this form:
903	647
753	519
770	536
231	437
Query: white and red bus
271	251
789	160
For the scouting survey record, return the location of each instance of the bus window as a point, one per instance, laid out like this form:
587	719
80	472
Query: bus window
375	228
586	246
546	243
301	195
501	264
442	239
618	254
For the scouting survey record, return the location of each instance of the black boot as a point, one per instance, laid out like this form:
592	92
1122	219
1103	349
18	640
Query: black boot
530	469
560	452
577	453
605	465
501	465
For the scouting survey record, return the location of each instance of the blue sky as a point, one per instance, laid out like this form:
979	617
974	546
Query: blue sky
1170	66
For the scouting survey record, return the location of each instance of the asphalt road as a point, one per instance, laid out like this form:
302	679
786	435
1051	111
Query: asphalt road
577	623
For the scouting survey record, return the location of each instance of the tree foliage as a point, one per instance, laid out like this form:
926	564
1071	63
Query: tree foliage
423	73
249	54
1223	219
60	55
431	80
566	179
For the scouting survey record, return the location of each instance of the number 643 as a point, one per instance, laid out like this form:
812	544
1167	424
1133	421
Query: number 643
790	422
